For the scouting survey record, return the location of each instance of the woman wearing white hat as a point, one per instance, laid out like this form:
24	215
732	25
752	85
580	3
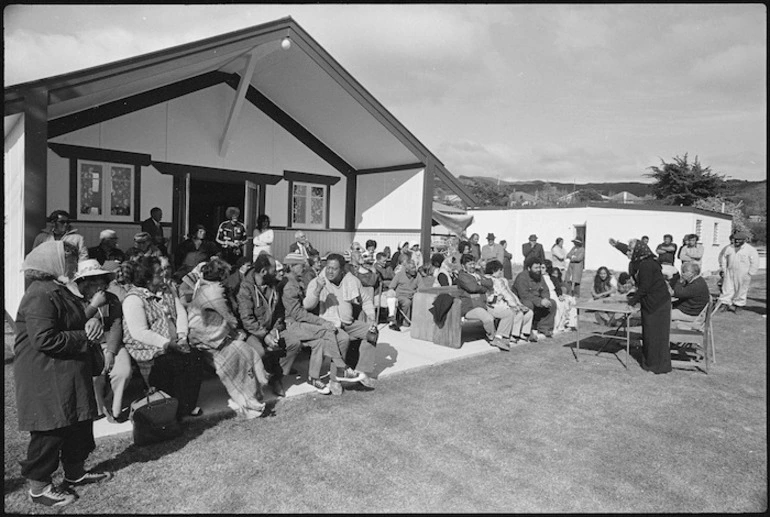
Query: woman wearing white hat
92	282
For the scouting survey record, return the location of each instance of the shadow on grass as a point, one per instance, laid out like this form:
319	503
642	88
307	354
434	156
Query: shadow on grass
600	344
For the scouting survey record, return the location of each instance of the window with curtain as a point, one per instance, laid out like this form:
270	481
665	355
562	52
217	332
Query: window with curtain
309	205
105	191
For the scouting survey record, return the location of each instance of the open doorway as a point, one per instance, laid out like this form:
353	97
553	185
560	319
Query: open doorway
209	201
580	233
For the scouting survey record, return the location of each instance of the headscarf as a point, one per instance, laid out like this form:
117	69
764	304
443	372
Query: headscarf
641	252
48	257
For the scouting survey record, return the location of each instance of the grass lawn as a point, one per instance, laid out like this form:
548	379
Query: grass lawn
530	430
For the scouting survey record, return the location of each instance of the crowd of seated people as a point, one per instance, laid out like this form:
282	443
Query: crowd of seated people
248	321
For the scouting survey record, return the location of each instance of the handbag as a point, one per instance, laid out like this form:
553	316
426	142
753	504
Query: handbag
154	418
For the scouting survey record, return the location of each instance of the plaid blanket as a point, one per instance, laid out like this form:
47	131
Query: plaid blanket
236	363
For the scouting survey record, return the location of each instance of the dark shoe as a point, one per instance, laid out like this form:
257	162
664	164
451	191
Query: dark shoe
394	326
547	333
737	309
276	384
53	496
732	308
319	386
89	478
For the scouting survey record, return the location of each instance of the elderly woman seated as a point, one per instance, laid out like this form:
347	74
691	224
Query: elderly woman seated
155	335
214	331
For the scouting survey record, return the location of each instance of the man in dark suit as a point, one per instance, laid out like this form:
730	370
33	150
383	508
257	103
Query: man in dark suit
533	249
153	227
301	245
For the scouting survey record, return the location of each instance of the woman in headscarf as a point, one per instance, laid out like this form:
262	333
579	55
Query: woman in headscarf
155	335
653	296
214	331
53	365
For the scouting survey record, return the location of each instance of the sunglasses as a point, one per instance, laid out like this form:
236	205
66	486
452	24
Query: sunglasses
64	221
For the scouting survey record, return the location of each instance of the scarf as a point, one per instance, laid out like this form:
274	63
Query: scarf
48	257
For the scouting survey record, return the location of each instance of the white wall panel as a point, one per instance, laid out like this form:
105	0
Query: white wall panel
13	217
390	200
58	184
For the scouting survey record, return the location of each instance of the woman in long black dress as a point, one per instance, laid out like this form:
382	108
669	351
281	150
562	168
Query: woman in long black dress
652	293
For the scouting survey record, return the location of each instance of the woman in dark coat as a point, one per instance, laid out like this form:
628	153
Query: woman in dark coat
653	295
507	265
52	372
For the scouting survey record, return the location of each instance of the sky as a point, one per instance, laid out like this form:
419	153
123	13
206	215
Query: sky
568	93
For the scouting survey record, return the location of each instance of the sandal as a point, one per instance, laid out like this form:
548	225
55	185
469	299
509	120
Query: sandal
196	412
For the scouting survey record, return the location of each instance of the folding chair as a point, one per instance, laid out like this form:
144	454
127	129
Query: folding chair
698	339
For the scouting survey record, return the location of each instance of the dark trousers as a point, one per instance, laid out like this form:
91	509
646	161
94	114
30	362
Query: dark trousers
179	375
543	317
71	444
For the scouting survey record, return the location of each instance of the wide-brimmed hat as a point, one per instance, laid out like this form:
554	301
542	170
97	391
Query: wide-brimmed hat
533	236
490	236
294	258
577	241
90	267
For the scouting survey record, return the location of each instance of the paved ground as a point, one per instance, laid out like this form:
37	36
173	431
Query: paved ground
396	352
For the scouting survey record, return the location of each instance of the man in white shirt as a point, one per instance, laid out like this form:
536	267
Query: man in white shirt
301	245
341	296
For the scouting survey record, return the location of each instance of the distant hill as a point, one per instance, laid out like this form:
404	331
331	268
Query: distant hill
634	187
752	193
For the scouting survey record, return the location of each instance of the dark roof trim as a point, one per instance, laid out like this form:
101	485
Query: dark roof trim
213	174
454	184
103	155
392	168
622	206
307	177
283	119
88	117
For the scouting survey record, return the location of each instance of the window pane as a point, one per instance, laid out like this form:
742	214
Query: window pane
300	190
120	196
299	209
317	209
91	180
317	192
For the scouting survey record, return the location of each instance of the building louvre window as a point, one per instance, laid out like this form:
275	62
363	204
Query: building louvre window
699	228
105	191
715	239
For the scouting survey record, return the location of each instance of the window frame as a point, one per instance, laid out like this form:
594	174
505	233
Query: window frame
307	225
106	191
699	229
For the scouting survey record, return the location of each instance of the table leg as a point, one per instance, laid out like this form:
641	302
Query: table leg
628	338
577	328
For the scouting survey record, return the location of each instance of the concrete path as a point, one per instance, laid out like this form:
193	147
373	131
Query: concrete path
396	352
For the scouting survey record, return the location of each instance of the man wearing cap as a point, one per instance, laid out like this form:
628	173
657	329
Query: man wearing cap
576	257
92	282
306	329
492	250
61	230
143	247
153	227
532	248
107	248
741	262
340	296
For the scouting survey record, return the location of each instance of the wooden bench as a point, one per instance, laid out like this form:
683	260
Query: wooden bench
423	326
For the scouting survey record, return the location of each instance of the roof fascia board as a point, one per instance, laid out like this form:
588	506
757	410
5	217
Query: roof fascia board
283	119
392	168
88	117
212	173
307	177
249	37
454	184
95	153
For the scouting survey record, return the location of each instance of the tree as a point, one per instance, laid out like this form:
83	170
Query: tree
683	183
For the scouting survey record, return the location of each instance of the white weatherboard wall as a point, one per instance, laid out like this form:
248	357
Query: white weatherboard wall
188	130
13	228
515	226
389	207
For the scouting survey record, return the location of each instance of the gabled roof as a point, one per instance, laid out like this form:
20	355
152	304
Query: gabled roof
303	87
